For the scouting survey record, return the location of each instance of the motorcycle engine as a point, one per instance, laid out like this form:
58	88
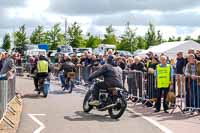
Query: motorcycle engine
103	97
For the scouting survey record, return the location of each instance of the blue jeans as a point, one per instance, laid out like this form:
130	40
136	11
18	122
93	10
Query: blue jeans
194	96
62	79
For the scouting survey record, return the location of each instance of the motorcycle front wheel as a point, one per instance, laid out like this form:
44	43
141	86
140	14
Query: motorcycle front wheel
86	107
118	110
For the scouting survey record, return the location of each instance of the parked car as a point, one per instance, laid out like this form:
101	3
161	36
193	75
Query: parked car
2	50
65	49
81	50
124	53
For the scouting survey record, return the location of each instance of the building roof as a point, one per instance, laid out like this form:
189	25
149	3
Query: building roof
171	48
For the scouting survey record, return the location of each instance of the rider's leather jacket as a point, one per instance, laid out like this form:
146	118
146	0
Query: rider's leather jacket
112	75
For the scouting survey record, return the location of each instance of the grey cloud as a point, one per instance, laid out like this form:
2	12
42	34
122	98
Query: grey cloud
114	6
139	18
16	22
11	3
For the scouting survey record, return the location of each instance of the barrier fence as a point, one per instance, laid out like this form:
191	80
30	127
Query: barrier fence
186	89
7	93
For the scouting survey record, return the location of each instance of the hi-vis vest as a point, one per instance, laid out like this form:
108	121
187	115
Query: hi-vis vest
163	76
42	66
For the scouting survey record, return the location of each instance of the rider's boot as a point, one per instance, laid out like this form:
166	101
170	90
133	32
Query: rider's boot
94	103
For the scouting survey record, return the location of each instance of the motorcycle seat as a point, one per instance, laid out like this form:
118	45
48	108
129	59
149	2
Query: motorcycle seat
112	89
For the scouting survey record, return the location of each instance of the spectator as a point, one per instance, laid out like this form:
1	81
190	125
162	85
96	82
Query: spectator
1	61
18	60
110	52
191	82
121	62
8	65
75	59
130	79
151	90
137	67
164	76
85	62
94	63
101	59
180	65
197	55
58	58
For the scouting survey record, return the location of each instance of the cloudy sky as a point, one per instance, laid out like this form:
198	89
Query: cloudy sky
172	17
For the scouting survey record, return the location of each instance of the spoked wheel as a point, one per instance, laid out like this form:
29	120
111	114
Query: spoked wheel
38	92
70	86
118	110
86	107
45	92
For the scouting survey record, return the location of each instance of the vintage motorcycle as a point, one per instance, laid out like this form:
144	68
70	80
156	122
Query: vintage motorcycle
112	99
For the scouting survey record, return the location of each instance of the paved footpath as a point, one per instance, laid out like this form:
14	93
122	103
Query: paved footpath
62	113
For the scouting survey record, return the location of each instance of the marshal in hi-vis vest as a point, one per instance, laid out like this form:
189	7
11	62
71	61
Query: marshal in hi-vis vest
42	66
163	76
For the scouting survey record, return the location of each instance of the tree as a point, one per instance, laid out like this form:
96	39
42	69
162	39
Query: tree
198	39
159	37
109	37
188	38
173	39
37	35
141	43
6	42
92	41
20	38
75	36
54	36
151	37
128	40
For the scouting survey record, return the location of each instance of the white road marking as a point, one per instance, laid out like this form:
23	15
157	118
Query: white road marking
155	123
42	126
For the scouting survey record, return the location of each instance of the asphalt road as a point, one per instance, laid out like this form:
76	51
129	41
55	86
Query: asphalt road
62	113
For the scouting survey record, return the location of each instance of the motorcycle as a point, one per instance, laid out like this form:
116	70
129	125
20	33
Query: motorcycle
43	86
112	99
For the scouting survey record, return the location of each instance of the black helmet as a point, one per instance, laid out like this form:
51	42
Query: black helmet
110	60
41	57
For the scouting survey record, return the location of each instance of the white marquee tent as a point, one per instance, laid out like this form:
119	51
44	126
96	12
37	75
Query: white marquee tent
171	48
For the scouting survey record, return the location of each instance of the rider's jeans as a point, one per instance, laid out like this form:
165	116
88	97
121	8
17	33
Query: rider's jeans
62	79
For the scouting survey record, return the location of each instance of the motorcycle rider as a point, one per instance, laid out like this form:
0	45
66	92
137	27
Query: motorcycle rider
43	69
67	66
112	78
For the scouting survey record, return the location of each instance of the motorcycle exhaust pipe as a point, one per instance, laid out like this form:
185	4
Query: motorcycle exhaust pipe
107	107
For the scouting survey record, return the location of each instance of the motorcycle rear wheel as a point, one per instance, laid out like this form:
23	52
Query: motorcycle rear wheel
70	86
45	92
120	108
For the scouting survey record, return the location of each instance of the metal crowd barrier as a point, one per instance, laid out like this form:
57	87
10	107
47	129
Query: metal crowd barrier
19	71
3	96
150	91
135	84
7	93
142	86
179	93
192	93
